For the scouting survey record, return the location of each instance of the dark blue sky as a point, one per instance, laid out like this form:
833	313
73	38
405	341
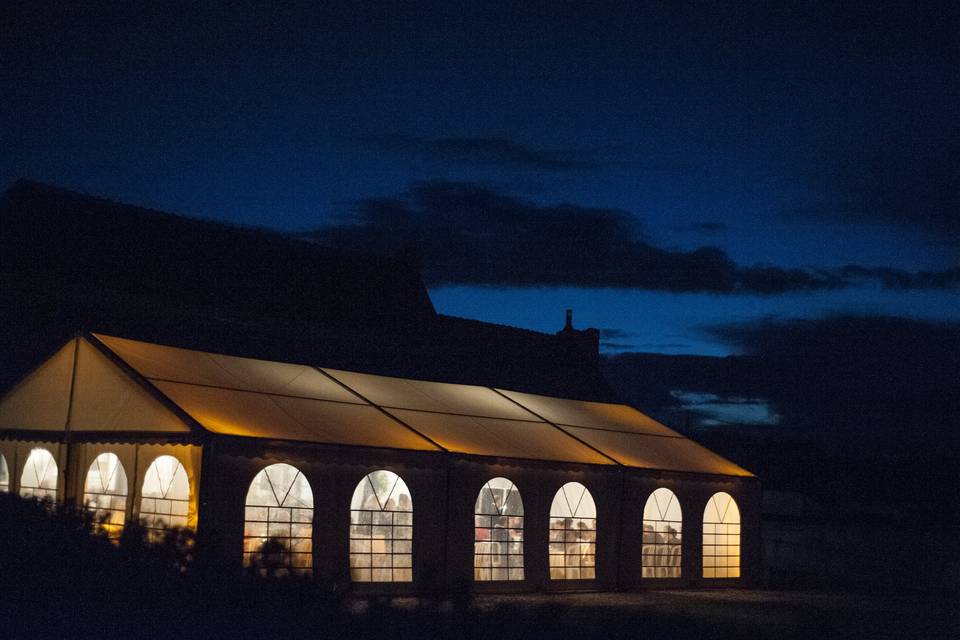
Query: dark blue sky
820	141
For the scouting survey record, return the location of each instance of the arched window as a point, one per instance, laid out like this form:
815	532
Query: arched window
4	475
166	496
39	479
662	529
279	507
573	534
381	529
721	537
498	532
105	493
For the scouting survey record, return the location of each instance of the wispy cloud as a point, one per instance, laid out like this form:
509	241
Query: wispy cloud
489	151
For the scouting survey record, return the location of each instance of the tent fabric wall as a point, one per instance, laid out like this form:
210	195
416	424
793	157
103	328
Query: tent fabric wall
41	402
106	399
80	389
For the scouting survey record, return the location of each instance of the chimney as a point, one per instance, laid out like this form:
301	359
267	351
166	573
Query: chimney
587	341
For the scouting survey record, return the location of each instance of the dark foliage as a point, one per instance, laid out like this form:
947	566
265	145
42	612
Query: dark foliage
61	580
74	583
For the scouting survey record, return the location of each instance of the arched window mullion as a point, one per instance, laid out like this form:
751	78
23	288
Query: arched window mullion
381	534
721	537
573	535
277	537
105	493
165	497
37	484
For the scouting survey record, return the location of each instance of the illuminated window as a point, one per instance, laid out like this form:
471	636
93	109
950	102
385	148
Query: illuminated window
166	496
381	529
573	534
105	493
279	511
39	479
498	532
721	537
662	529
4	475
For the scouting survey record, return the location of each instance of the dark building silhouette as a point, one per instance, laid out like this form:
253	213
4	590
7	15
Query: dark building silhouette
70	262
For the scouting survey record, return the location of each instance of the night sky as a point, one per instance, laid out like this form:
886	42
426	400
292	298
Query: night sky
670	172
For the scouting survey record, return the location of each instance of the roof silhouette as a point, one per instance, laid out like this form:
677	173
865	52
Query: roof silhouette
71	262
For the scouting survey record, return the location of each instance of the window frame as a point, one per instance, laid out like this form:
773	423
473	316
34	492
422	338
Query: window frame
654	549
393	524
40	492
112	528
290	512
488	563
720	552
153	519
570	535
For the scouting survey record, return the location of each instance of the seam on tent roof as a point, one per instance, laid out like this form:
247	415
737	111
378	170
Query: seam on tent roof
381	409
558	428
629	433
479	426
462	415
260	393
212	357
191	423
273	400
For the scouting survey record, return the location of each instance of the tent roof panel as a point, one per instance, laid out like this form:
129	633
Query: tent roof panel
599	415
496	437
261	399
157	362
656	452
442	397
259	415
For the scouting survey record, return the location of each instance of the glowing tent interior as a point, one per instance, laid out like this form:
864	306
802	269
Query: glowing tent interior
335	467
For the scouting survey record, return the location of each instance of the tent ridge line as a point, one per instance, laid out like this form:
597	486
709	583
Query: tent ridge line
148	386
381	409
73	386
558	428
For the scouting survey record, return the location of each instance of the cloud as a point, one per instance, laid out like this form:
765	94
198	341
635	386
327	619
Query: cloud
615	333
471	234
487	151
864	379
705	226
913	181
900	279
